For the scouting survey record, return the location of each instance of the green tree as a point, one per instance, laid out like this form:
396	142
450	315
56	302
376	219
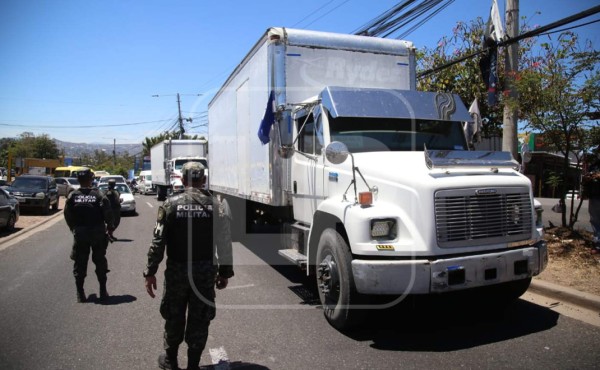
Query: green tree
462	78
30	146
5	144
558	90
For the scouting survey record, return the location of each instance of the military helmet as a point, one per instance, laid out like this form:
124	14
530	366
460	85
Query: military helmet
112	183
84	174
193	170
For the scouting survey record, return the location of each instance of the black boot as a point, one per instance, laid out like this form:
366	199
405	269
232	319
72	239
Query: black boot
81	298
168	360
193	359
103	292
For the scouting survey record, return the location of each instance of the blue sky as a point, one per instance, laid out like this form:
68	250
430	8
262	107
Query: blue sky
85	71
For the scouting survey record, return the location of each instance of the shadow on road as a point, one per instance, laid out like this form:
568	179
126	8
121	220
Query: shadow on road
442	322
111	300
450	322
4	232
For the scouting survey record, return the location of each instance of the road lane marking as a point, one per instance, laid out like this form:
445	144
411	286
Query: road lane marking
240	286
219	358
149	205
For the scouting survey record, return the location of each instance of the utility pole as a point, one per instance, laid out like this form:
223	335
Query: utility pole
509	135
180	118
181	129
115	152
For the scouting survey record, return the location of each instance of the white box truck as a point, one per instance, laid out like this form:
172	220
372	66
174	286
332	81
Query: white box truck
372	181
166	159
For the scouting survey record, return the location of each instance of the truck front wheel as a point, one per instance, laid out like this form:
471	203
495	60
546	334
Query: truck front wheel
335	281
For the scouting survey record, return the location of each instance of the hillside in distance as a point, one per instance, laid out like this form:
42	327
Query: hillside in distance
77	149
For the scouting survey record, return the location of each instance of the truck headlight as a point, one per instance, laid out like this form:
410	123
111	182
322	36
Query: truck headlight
384	229
40	195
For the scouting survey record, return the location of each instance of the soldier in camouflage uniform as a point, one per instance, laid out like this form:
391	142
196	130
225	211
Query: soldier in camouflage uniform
195	229
115	203
89	218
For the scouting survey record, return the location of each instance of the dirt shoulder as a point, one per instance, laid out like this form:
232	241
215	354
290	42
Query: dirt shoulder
571	261
31	218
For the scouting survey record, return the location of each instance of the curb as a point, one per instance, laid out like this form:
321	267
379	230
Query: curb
562	293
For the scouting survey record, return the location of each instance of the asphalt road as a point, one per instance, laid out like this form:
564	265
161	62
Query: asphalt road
268	317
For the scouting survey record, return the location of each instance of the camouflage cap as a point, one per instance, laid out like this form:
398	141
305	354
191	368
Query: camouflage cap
84	174
194	170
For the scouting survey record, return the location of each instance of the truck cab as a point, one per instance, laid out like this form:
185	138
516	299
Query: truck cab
388	200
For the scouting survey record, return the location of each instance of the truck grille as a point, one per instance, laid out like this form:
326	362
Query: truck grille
468	217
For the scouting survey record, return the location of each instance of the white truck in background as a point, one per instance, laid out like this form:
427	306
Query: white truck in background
371	181
166	159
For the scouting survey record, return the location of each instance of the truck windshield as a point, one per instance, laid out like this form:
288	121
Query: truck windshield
180	162
362	134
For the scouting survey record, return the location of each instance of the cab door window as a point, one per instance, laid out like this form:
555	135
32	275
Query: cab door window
306	137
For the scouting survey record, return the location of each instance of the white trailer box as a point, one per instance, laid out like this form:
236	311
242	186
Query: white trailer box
296	65
168	156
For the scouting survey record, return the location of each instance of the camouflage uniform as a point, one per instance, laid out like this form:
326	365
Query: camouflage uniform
88	214
195	229
115	202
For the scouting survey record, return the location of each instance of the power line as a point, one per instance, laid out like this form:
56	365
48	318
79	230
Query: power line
81	126
537	32
402	15
427	18
327	13
312	13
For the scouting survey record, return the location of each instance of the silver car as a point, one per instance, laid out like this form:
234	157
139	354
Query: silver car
66	185
126	197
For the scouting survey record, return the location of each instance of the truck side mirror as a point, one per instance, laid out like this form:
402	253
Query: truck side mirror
336	152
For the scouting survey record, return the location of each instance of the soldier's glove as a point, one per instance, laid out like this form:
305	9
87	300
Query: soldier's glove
109	235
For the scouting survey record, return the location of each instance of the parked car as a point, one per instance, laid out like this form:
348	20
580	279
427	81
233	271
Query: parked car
9	210
37	192
66	185
118	179
127	198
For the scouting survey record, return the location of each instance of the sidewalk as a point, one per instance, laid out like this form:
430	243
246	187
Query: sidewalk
544	288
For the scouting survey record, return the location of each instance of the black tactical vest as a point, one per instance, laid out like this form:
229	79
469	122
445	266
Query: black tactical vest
86	204
190	227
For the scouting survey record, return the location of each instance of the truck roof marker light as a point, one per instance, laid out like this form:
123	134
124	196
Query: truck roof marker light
274	37
365	198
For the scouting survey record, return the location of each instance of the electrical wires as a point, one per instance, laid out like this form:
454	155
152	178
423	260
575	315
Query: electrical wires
402	15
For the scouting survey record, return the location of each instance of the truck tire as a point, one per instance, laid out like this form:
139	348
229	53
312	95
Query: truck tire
55	205
161	193
336	282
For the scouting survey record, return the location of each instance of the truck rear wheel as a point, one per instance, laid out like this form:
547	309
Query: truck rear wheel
335	281
161	193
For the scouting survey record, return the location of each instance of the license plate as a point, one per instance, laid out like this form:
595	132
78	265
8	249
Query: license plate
21	200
